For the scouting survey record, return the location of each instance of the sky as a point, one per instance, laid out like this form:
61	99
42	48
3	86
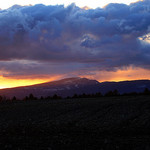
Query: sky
80	3
109	41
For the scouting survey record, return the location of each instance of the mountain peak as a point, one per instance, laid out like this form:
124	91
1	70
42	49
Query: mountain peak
75	85
70	79
64	87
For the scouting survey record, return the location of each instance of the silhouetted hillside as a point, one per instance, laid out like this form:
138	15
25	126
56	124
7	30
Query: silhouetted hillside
64	88
71	86
125	86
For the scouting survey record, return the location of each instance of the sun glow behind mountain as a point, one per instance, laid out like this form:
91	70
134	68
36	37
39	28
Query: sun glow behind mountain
119	75
10	82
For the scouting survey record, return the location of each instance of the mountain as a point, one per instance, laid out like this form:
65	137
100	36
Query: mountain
70	86
64	88
125	86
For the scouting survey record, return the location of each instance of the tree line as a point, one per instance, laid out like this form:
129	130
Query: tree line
96	95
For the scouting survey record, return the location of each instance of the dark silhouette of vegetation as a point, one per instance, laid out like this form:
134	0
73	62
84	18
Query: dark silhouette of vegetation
1	98
132	94
26	98
146	91
41	98
76	96
86	95
31	97
55	96
98	95
14	98
68	97
48	97
112	93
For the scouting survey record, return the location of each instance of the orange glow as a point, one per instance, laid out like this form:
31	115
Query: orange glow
86	8
11	82
120	75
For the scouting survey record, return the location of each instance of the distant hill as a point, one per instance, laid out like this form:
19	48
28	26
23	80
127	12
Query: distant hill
70	86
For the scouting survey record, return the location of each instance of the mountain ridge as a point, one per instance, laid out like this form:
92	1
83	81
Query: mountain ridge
75	85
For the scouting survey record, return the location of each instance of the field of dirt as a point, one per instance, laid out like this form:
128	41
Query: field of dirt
108	123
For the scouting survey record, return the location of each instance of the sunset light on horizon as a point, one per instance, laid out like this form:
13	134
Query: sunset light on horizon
11	83
120	75
101	76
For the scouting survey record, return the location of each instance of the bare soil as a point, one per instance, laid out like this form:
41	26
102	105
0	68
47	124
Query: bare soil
113	123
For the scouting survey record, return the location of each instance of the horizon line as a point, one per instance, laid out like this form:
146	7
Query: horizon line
74	77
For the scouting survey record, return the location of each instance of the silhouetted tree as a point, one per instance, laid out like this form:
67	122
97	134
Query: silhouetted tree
132	94
83	95
41	98
1	98
4	98
88	95
56	97
26	98
31	97
116	93
98	95
75	96
146	91
110	93
14	98
92	95
68	97
48	97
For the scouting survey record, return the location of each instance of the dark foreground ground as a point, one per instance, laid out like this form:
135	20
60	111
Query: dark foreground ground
116	123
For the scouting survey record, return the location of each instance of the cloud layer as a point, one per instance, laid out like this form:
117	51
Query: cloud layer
66	40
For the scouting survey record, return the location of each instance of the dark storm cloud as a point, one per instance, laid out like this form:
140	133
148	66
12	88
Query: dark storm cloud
101	39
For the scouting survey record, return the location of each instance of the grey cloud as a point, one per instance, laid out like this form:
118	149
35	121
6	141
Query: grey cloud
101	38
